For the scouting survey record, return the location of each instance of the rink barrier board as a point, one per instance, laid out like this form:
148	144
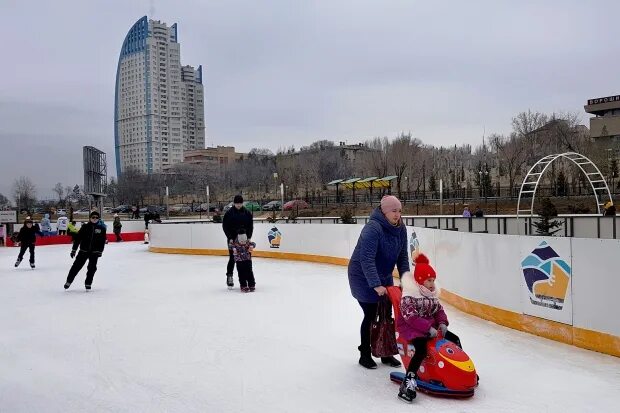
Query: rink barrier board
486	269
576	336
579	337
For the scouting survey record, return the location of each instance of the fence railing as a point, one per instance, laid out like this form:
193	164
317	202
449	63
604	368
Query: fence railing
579	226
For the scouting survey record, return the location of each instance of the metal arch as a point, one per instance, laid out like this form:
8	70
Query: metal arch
589	168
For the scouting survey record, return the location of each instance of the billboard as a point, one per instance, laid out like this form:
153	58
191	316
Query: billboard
95	171
8	217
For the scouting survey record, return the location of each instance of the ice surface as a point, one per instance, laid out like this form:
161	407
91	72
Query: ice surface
161	333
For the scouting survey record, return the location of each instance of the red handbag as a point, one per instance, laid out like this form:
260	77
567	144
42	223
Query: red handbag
383	331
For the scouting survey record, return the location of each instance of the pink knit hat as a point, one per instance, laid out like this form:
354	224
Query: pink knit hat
389	203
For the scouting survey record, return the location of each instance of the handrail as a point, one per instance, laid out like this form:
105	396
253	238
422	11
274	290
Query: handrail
573	225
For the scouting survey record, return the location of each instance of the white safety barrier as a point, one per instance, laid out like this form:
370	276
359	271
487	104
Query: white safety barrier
573	282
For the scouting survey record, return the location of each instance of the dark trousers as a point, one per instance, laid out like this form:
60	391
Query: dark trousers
118	235
370	312
420	350
231	263
22	251
246	275
79	262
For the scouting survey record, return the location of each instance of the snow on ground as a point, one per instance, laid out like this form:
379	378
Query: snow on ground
161	333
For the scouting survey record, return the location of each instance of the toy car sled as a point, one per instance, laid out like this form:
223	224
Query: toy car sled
446	371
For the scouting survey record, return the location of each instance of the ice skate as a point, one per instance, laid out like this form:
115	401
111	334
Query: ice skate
17	263
32	265
67	285
407	392
87	287
229	281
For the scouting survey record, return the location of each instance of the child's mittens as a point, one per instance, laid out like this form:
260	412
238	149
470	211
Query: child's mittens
432	332
443	328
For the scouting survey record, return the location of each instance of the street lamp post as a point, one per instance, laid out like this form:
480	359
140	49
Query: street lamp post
407	186
609	172
208	201
167	204
440	196
282	195
483	181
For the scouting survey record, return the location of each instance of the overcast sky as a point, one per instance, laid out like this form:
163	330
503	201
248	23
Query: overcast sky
283	72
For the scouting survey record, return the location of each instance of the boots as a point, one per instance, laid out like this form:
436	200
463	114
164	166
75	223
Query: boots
229	281
366	358
406	392
390	361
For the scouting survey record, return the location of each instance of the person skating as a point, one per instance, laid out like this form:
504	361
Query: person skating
27	238
46	225
117	225
61	225
91	240
72	230
147	219
242	249
382	245
421	316
236	218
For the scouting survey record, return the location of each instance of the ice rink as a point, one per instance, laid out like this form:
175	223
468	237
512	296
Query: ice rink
161	333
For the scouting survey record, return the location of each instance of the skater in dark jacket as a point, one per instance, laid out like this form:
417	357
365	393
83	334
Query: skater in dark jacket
242	249
117	226
91	239
27	238
236	218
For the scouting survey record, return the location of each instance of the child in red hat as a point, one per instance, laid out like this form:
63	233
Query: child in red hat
421	316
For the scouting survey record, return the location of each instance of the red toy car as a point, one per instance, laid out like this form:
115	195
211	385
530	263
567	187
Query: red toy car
446	371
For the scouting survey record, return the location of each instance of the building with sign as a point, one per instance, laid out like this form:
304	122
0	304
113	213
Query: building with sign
605	125
159	104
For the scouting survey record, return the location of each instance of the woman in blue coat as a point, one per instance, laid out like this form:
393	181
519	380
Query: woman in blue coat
381	245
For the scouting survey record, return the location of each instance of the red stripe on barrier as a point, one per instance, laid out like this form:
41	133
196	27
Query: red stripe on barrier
66	239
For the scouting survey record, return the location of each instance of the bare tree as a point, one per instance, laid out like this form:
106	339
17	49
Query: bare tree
526	126
402	152
4	202
132	186
512	155
566	133
59	190
24	192
378	156
111	190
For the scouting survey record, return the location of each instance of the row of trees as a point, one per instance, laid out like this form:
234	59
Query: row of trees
25	195
499	161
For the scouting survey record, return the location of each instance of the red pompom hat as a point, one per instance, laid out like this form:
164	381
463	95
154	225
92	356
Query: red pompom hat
423	270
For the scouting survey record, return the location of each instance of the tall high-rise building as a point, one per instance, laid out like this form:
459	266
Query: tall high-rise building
159	104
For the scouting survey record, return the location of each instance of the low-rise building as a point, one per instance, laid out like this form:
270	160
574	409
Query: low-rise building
214	156
605	125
